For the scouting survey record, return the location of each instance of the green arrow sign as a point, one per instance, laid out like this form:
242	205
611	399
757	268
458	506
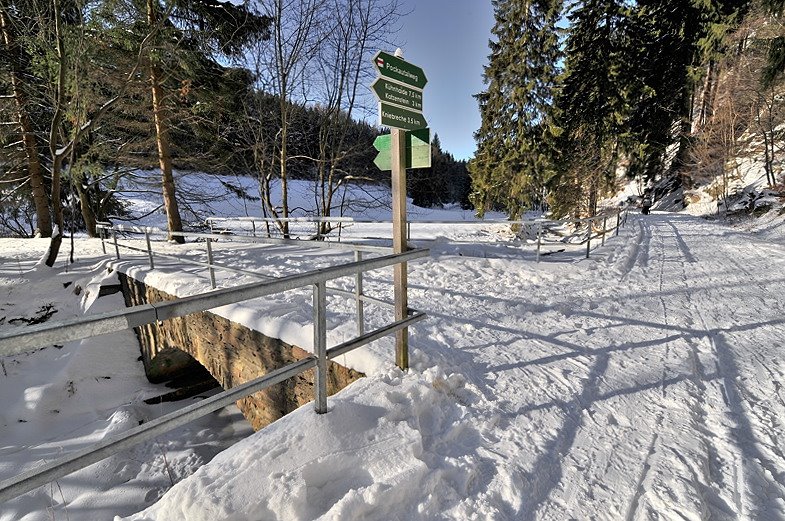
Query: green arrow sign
399	117
418	150
397	69
397	94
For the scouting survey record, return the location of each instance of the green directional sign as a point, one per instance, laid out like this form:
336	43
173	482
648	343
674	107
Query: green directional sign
397	94
418	150
400	70
394	116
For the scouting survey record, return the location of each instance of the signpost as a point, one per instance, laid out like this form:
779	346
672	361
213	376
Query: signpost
392	92
394	116
394	67
418	150
399	90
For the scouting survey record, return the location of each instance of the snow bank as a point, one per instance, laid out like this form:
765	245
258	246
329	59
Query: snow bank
386	439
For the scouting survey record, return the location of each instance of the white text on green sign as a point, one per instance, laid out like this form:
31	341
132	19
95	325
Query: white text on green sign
397	117
397	94
400	70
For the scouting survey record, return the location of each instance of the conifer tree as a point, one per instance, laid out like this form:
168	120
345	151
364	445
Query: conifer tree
590	104
630	76
512	159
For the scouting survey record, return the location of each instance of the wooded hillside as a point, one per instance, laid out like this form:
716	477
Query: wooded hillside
278	90
578	92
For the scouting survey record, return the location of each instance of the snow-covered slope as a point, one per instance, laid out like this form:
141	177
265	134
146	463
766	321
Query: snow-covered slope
206	195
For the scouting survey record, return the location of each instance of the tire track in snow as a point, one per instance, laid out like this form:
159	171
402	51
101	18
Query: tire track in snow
712	442
650	463
639	489
732	450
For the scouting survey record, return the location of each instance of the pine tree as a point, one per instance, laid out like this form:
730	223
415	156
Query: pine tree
590	105
660	46
182	29
630	76
511	162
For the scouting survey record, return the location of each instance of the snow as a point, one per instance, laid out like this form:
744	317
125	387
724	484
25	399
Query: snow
64	398
644	382
208	195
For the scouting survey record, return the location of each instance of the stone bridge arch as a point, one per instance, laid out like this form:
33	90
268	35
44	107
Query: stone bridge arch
232	353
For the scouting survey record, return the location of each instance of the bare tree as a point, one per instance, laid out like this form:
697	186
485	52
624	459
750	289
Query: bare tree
282	68
319	56
345	71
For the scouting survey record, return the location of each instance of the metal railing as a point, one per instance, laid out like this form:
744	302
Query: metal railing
596	227
50	333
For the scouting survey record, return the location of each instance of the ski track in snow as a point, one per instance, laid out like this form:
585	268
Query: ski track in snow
657	418
643	383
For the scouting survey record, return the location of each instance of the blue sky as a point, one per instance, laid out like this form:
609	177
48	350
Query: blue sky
449	40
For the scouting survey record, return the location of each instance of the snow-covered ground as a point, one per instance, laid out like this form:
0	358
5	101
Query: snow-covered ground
64	398
642	383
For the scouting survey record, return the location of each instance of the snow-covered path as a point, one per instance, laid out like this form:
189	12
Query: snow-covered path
674	356
652	387
646	380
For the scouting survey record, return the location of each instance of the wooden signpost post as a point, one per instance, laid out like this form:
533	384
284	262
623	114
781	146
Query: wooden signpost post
399	90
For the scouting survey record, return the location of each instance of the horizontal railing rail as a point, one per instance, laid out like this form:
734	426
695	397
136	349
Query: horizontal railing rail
540	226
50	333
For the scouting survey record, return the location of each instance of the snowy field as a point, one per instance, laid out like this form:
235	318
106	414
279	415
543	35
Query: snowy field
642	383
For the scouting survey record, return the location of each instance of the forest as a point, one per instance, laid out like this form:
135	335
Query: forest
668	92
93	91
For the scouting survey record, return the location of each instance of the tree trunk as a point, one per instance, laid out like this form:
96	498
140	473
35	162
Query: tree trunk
57	211
707	98
43	218
173	220
87	211
681	160
284	180
55	154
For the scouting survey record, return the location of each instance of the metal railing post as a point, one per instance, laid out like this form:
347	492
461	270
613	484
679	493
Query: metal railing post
539	240
320	345
149	249
588	242
103	239
210	262
116	247
358	293
618	222
408	231
604	229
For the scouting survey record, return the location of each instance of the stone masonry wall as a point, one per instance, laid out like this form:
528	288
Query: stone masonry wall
232	353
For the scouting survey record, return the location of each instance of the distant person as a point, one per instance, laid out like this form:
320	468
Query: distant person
646	205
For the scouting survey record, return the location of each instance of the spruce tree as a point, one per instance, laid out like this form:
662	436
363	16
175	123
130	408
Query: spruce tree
511	162
590	105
